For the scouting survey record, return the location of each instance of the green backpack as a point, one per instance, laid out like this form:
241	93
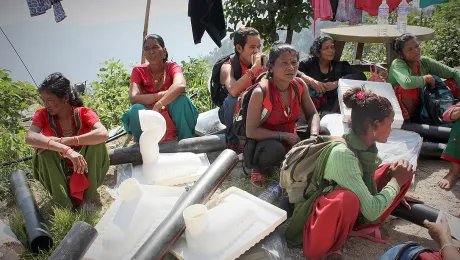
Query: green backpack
300	163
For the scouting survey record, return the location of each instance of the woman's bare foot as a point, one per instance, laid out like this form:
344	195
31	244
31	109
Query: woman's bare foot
449	180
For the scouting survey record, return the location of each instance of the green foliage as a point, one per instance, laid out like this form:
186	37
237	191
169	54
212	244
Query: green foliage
269	16
197	72
446	23
110	97
15	98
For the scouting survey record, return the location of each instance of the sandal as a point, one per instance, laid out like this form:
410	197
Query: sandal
257	179
366	233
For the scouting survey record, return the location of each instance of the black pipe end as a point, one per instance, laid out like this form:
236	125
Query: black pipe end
41	243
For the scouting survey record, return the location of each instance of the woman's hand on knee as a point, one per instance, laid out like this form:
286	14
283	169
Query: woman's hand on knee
290	138
79	163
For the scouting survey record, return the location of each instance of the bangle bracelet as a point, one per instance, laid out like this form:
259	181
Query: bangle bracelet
280	136
60	140
48	144
78	140
250	74
444	246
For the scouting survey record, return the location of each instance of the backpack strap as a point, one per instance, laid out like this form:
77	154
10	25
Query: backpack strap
267	104
236	66
298	89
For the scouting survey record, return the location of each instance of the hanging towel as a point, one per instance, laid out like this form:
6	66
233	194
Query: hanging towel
347	12
322	10
39	7
372	6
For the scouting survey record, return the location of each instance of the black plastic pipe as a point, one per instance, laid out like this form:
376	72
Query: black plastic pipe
159	243
75	243
202	144
417	214
429	131
432	150
37	233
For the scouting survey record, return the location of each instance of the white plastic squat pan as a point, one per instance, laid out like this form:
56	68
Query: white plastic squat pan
167	195
268	218
137	174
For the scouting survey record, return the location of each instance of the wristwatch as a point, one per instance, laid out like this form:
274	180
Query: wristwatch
162	106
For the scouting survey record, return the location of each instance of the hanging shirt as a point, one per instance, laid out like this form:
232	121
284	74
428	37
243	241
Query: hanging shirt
38	7
372	6
347	12
207	16
426	3
322	10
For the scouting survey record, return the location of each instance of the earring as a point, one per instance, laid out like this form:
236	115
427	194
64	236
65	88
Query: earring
375	133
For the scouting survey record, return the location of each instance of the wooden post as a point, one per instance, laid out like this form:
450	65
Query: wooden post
146	27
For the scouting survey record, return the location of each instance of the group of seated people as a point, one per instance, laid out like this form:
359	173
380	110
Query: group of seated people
71	158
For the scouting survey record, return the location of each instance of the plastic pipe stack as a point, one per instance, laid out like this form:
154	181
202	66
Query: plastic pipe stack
203	144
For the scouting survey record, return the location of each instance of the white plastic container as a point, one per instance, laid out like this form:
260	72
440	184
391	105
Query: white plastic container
236	221
131	219
379	88
157	167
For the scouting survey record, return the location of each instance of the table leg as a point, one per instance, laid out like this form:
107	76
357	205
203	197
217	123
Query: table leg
339	45
358	52
391	55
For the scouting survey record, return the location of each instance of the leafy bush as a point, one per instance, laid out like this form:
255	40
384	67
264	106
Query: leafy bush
15	98
197	72
446	23
110	97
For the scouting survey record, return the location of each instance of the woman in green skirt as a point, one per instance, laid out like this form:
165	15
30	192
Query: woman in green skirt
71	157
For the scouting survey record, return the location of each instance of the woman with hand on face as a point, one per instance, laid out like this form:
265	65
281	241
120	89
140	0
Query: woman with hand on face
290	102
321	73
160	86
71	159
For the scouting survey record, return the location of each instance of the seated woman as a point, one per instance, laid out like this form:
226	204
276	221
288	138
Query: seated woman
411	71
160	85
322	73
441	234
452	151
278	133
71	159
356	193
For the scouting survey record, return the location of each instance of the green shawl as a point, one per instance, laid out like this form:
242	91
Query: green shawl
369	161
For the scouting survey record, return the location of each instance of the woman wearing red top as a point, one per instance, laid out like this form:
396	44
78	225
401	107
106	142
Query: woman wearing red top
160	85
278	133
71	159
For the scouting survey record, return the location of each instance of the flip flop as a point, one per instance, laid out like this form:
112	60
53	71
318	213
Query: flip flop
257	179
366	233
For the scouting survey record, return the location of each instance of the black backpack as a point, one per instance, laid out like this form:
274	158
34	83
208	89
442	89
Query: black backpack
435	102
219	91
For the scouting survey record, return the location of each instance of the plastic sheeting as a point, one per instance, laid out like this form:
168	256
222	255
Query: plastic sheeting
209	124
401	145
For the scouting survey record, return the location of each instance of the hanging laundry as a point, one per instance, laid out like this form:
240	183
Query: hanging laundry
322	10
372	6
425	3
39	7
334	6
347	12
207	16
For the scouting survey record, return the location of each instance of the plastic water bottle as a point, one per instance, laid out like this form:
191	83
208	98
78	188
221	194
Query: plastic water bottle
403	11
384	13
271	193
